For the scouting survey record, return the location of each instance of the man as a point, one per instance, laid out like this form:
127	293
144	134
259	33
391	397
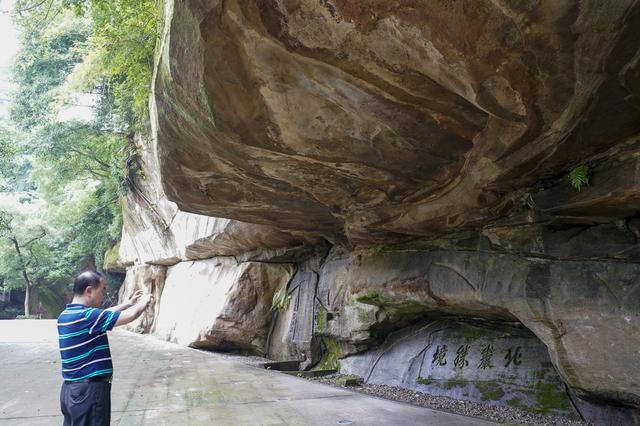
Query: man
85	398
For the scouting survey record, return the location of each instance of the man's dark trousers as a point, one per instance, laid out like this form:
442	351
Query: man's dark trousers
86	403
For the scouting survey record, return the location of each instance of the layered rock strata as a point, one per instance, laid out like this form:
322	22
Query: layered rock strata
155	231
584	311
580	307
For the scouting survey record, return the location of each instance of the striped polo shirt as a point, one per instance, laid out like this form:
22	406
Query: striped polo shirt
84	346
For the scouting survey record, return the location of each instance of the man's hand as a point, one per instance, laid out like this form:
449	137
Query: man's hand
133	312
134	298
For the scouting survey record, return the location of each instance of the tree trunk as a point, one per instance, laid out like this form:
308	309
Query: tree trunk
27	282
27	298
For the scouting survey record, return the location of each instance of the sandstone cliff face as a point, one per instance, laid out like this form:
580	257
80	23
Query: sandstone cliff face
394	166
150	279
210	287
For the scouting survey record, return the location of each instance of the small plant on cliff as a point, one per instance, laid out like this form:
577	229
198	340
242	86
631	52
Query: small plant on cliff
579	176
281	299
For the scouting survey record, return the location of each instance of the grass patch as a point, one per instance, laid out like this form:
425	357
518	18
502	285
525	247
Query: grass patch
425	380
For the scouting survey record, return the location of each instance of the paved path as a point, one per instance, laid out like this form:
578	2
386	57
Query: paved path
159	383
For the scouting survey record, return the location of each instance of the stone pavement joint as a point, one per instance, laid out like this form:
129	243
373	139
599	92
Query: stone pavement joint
159	383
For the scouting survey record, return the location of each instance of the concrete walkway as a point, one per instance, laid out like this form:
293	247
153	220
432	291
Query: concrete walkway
159	383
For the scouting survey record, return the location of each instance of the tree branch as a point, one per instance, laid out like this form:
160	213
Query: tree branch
91	157
34	6
33	240
43	20
96	174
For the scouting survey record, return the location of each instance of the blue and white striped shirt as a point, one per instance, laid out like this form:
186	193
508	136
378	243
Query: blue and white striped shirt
84	346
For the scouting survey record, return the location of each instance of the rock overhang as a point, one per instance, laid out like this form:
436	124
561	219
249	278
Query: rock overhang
363	124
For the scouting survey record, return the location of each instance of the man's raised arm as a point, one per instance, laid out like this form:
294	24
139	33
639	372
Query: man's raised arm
129	303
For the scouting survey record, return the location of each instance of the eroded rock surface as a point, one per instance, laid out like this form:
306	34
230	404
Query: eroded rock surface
380	120
569	305
150	279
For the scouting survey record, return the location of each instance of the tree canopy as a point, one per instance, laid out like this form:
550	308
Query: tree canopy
83	78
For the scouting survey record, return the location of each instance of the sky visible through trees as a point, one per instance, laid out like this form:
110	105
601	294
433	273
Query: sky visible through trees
8	48
79	79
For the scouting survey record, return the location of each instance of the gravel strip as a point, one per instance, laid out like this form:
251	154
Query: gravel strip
495	413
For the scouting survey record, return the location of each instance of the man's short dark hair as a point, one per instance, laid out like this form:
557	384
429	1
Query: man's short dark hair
86	279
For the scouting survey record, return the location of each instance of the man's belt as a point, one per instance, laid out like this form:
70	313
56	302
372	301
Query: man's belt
104	379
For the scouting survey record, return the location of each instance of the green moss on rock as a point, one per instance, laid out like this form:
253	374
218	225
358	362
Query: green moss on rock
373	298
517	403
112	258
330	355
455	383
321	320
540	374
469	333
50	301
550	398
350	380
490	391
365	316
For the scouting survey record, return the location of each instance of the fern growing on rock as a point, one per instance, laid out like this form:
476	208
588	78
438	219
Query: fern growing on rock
579	176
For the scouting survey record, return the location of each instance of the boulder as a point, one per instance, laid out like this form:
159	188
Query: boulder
220	304
584	311
499	364
112	262
429	143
